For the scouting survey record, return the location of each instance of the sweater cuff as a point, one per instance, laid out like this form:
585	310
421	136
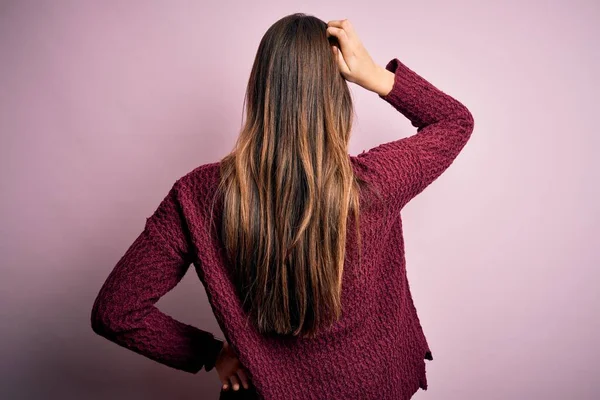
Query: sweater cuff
405	81
212	353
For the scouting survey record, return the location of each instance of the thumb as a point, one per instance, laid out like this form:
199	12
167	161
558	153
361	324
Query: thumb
340	61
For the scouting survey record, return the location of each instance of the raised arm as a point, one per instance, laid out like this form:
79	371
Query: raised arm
404	167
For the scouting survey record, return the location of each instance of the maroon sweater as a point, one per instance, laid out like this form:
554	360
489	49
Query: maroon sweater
377	349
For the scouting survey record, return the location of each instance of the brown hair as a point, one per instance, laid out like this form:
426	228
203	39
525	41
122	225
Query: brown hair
288	186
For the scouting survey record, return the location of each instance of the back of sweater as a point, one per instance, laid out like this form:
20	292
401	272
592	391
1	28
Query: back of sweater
375	351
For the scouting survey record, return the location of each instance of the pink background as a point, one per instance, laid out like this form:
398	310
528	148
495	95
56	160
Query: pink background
103	105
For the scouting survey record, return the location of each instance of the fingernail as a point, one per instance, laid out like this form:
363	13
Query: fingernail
236	387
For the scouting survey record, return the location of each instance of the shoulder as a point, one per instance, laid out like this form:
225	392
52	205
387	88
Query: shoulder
198	180
196	189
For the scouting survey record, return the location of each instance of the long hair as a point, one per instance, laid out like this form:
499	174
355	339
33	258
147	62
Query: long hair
288	186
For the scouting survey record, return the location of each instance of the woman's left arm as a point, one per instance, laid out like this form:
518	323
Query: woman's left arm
124	311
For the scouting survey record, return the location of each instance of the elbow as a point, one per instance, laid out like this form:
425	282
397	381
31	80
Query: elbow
110	319
464	119
470	121
103	321
98	320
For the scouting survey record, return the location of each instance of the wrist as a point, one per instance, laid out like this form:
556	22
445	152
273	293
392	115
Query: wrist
213	353
384	82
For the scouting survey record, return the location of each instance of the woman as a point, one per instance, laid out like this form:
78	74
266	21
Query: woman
298	245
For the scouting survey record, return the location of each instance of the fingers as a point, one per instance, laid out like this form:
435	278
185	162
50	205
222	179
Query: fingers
343	53
235	383
342	30
342	37
225	383
244	378
343	24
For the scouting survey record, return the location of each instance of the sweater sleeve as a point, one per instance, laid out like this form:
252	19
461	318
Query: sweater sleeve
124	311
405	167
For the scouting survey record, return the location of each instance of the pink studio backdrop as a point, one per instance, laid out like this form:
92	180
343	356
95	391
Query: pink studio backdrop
103	105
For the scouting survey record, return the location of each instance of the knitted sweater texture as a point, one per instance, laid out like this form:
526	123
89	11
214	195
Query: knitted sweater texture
377	350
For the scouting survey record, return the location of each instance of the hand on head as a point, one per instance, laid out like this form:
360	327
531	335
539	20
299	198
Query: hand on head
354	62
